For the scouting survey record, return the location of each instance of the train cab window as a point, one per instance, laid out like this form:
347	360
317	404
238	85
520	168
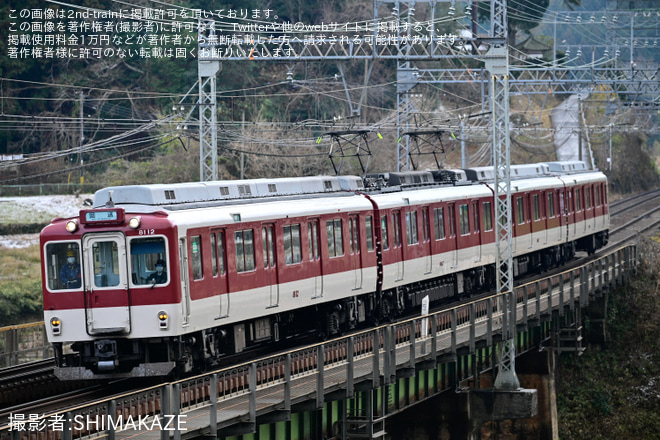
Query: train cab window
63	266
411	227
145	253
368	224
488	216
292	246
464	219
196	257
335	238
520	210
551	205
536	208
439	218
244	242
383	232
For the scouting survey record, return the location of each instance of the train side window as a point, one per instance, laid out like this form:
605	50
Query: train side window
551	205
426	227
222	262
269	245
488	216
464	219
520	209
537	210
196	257
396	228
214	255
452	221
354	239
411	227
588	197
439	218
368	224
335	238
61	273
292	246
383	232
597	195
145	253
475	217
578	200
244	243
313	239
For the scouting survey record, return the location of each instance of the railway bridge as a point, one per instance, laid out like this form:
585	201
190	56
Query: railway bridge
370	384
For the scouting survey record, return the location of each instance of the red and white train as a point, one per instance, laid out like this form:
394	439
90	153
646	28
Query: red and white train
254	261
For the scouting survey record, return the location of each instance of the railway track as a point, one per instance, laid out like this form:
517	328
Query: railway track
638	213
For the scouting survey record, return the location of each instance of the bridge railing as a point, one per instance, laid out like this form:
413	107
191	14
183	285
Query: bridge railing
374	355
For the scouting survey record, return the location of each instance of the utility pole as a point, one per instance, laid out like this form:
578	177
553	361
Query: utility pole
82	136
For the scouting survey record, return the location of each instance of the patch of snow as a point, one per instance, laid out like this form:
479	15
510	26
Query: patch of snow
36	209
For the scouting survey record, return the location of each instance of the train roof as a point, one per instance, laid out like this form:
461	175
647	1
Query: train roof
199	194
180	196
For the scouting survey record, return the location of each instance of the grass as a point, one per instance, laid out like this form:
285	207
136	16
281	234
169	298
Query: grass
20	285
613	390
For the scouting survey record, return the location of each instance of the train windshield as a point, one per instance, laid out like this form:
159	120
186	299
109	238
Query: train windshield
148	261
63	265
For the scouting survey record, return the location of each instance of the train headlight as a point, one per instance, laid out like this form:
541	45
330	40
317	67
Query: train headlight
134	222
163	320
56	326
72	226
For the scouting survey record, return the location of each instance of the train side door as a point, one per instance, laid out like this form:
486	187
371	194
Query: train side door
185	293
397	245
453	236
476	230
270	263
314	243
354	251
219	257
426	240
107	298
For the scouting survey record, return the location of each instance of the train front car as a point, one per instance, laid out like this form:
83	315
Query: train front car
109	295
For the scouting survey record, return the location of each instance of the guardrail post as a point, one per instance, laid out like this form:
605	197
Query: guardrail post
253	393
434	337
572	288
320	362
584	286
387	364
67	433
412	343
375	376
287	383
165	408
176	408
111	411
489	323
561	294
213	396
525	305
453	331
537	285
473	335
349	370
